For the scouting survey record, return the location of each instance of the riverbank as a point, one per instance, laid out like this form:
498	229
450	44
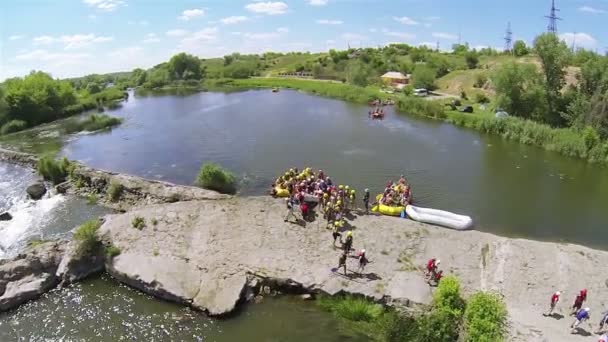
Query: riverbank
213	254
585	145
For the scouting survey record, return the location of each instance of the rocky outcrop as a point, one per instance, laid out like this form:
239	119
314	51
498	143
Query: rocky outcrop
30	274
75	266
19	158
6	216
36	191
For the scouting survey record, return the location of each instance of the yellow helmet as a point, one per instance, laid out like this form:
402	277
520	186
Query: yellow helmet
352	191
339	203
325	195
349	233
340	186
346	187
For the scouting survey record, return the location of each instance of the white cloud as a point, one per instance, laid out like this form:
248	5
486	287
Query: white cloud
190	14
269	8
353	36
234	19
406	20
443	35
592	10
402	35
75	41
176	33
203	36
56	59
279	32
329	22
151	38
105	5
579	39
429	45
16	37
317	2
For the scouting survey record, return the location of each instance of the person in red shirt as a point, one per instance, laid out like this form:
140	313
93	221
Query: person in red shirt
554	300
578	301
431	266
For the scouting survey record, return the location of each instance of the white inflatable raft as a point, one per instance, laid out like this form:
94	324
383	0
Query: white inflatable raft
439	217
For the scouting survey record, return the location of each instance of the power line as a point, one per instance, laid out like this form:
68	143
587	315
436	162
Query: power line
508	38
553	18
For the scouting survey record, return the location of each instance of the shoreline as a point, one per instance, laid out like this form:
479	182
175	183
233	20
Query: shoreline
214	253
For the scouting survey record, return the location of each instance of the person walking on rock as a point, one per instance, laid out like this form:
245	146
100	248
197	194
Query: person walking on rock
290	213
336	233
581	316
348	243
363	261
342	262
578	301
366	201
554	300
603	322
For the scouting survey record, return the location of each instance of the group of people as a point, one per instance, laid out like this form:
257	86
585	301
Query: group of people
581	314
432	273
376	113
398	194
346	246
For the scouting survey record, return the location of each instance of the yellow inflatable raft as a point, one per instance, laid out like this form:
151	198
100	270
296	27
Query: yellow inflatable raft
280	192
387	209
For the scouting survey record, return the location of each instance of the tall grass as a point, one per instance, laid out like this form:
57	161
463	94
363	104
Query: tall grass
52	170
352	308
421	107
13	126
213	177
94	122
86	235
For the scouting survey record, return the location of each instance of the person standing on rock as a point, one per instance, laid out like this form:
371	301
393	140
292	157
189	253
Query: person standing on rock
554	300
348	243
290	213
581	316
578	301
366	201
363	261
342	262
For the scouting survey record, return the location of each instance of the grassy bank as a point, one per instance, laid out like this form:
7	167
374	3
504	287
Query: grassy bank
336	90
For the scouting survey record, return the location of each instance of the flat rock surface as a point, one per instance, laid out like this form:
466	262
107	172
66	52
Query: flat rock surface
199	252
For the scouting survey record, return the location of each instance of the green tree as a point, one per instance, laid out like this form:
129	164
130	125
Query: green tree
157	78
359	74
485	318
553	55
460	49
520	48
471	59
93	88
424	77
185	67
520	90
138	77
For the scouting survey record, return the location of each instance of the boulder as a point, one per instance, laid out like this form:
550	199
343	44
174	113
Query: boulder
29	275
36	191
75	267
6	217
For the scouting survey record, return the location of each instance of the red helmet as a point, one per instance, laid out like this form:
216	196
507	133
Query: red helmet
584	291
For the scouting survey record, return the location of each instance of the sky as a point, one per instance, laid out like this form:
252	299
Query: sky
70	38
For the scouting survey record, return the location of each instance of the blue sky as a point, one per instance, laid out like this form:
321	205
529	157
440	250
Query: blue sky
76	37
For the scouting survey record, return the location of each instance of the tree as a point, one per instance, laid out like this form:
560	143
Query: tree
553	55
424	77
157	77
520	90
138	77
460	49
440	64
228	59
93	88
520	48
359	74
185	67
472	59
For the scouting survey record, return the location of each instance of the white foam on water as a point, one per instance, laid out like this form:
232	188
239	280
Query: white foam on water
28	217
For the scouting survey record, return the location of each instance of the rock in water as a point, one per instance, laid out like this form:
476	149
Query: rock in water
6	217
36	191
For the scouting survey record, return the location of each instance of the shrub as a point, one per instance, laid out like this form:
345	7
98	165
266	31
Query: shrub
480	81
51	170
424	77
86	235
115	191
138	222
213	177
352	308
485	318
395	328
94	122
92	199
421	107
447	296
13	126
481	98
112	251
438	325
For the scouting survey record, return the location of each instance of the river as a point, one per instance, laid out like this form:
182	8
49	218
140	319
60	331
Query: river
508	188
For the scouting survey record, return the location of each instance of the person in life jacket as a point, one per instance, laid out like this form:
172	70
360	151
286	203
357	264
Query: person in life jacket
289	203
335	233
348	243
603	322
366	201
363	261
554	300
581	316
304	209
342	262
435	278
578	301
431	266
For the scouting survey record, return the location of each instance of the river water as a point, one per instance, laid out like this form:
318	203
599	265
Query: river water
508	188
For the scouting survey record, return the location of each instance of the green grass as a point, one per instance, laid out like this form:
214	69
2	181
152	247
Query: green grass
36	242
115	191
352	308
92	199
112	251
86	235
52	170
138	222
13	126
92	123
213	177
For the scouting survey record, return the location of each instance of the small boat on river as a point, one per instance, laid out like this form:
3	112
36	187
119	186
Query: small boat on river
275	90
439	217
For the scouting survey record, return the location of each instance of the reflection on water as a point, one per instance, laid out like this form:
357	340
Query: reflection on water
102	310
